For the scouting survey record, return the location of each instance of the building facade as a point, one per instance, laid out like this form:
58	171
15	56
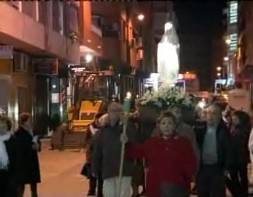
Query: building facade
130	34
231	40
38	40
122	39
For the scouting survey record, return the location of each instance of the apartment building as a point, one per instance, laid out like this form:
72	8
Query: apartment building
122	35
37	40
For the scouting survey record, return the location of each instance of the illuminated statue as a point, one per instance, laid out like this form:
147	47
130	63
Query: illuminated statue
167	56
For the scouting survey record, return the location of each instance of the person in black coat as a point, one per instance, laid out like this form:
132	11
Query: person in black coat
7	158
94	182
27	162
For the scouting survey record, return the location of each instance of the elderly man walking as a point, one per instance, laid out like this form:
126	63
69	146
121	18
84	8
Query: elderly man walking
213	147
107	154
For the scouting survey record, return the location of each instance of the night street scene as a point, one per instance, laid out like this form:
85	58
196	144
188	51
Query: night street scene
126	98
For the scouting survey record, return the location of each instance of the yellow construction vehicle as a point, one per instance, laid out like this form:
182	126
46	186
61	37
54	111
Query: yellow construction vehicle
87	113
92	91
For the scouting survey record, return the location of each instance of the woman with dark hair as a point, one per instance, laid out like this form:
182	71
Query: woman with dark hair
27	162
238	154
7	158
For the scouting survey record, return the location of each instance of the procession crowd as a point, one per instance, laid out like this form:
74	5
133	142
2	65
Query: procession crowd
164	157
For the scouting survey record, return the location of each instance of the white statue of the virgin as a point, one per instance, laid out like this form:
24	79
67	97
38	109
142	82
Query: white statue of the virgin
167	56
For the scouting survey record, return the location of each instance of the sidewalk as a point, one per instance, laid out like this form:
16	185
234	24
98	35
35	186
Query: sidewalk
60	171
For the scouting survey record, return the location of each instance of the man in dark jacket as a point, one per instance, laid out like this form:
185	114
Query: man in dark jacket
212	143
107	154
94	182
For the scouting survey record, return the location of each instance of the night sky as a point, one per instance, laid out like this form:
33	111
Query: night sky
199	26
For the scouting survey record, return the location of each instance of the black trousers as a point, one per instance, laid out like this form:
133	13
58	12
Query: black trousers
4	187
210	182
237	183
7	189
21	190
96	183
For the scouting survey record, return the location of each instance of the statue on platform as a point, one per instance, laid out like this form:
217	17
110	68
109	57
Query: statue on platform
168	56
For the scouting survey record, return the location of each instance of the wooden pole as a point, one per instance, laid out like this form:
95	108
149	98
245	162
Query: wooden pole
125	121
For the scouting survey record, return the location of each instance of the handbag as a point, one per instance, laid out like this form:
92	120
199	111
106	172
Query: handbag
86	170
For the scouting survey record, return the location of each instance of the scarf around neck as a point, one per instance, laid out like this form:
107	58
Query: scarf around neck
4	159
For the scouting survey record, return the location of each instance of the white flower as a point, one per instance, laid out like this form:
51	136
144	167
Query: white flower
166	94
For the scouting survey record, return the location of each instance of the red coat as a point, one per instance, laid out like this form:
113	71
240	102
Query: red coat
169	161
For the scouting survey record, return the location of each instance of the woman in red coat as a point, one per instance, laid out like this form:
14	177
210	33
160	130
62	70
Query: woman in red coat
171	160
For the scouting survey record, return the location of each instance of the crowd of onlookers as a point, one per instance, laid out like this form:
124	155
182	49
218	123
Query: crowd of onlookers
213	153
19	164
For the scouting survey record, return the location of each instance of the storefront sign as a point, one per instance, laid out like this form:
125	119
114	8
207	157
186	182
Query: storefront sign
6	52
46	66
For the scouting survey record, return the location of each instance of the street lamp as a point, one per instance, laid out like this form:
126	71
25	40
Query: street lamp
140	17
88	58
228	41
225	59
218	68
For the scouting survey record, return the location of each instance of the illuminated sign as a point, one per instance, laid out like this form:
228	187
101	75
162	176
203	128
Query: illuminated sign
233	12
233	43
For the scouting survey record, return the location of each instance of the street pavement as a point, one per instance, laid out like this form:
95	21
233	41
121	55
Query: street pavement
60	173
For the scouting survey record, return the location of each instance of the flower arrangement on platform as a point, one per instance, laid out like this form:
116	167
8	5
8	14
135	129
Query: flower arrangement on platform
167	97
